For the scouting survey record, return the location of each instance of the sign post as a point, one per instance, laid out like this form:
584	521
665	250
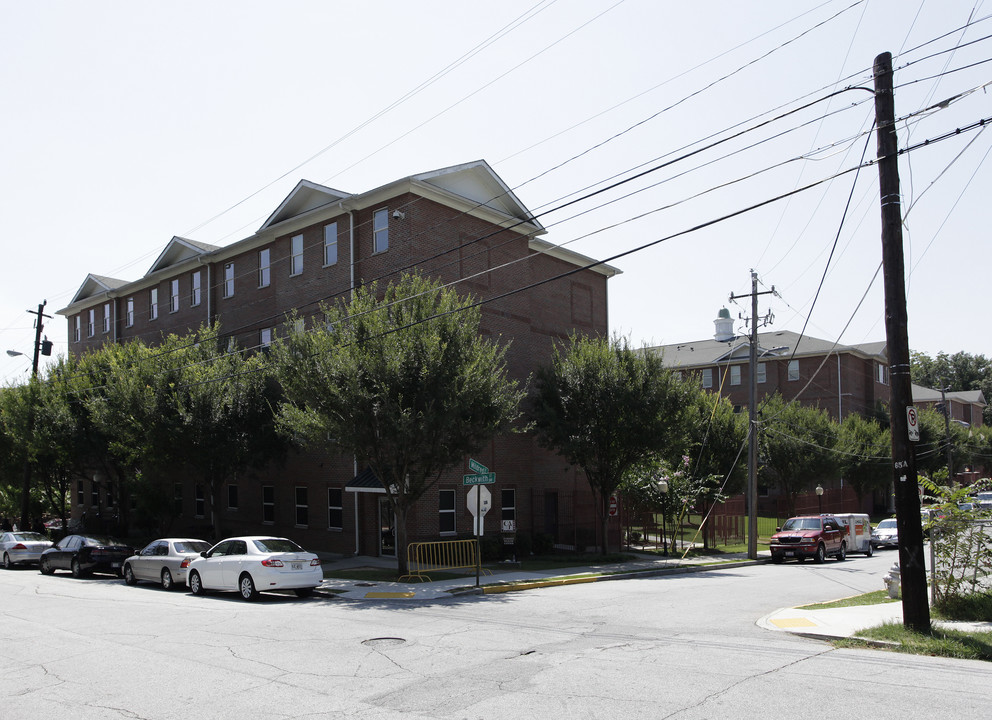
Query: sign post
483	477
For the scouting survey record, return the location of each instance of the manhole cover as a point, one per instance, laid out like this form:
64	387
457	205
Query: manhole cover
383	641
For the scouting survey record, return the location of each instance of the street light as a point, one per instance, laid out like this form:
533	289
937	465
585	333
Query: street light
14	353
663	489
819	497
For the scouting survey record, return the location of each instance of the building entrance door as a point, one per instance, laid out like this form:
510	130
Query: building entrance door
387	524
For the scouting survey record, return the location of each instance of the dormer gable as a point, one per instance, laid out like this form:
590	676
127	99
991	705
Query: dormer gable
306	196
96	285
178	251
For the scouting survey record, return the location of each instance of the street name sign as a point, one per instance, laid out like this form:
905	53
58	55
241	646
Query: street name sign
485	478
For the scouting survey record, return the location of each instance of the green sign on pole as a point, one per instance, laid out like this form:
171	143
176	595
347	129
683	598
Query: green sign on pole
486	478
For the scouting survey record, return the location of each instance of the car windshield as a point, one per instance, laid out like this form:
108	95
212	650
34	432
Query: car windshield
274	545
886	525
192	546
802	524
29	536
99	540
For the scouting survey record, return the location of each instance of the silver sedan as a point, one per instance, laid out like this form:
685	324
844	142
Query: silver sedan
22	548
163	561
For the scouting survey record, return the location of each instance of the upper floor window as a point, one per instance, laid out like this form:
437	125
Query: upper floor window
129	315
380	231
229	280
882	373
707	377
153	304
762	372
735	374
296	255
194	299
793	370
330	244
76	328
265	337
91	322
264	269
174	296
106	317
446	511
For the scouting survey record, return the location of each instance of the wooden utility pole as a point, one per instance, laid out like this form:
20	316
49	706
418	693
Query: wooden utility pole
915	606
39	325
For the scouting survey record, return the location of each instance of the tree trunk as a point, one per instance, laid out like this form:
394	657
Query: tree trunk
402	567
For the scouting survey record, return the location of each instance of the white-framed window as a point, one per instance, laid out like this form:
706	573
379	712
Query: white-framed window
335	509
177	498
232	497
94	494
446	511
91	322
129	314
331	244
265	337
707	377
302	506
508	509
194	296
229	280
153	304
881	374
106	317
296	255
174	296
77	324
793	370
264	268
762	373
80	493
735	374
268	504
200	509
380	231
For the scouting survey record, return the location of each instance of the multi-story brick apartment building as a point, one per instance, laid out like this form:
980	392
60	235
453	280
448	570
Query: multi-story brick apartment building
841	379
460	223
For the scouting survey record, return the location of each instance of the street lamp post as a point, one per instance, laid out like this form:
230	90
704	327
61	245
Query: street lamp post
663	489
819	498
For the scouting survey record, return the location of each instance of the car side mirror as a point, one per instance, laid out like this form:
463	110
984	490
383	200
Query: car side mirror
204	554
778	529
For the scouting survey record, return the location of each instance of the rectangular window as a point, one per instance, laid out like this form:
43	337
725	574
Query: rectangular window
194	299
90	322
229	280
762	372
109	494
76	329
80	493
882	373
446	511
265	337
335	509
94	494
129	315
707	377
200	509
380	231
793	370
508	510
153	304
177	498
296	255
106	318
264	269
174	296
232	497
302	507
330	244
735	374
268	504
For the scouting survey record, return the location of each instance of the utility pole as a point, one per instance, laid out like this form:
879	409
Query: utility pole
944	387
752	413
39	325
915	606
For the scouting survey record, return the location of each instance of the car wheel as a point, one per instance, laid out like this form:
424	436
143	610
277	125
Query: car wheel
842	555
45	566
195	586
303	592
801	558
821	553
77	569
871	550
6	562
166	579
777	559
246	586
129	577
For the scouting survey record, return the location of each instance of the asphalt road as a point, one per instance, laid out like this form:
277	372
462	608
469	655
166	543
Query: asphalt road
664	647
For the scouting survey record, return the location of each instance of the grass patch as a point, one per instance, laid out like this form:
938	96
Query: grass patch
940	643
878	597
972	608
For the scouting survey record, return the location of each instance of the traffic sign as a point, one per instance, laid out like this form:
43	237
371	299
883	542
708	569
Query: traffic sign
486	478
912	424
477	467
477	504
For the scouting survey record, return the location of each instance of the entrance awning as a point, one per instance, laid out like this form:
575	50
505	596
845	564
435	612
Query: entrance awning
366	482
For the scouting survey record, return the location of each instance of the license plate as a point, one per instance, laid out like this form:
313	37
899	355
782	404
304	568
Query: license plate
115	565
296	566
790	553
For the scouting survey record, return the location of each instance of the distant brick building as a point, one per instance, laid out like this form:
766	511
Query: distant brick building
459	223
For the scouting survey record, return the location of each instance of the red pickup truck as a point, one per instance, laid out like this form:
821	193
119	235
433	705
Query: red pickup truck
809	536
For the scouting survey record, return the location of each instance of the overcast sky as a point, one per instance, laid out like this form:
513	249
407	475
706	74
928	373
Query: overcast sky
127	123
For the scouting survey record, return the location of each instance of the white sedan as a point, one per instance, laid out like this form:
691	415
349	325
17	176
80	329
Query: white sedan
163	561
21	548
255	564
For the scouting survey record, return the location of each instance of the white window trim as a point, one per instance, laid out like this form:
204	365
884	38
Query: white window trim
333	228
762	373
452	512
194	292
384	212
296	258
793	364
707	377
106	318
735	374
298	505
129	315
174	296
153	304
338	508
228	280
91	322
264	268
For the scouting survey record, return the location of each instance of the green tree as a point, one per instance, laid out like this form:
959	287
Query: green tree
865	452
797	445
960	371
609	409
405	383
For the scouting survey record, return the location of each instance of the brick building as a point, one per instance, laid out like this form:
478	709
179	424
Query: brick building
460	223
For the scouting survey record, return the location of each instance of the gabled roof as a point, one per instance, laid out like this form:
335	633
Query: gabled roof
179	250
966	397
782	343
306	196
96	285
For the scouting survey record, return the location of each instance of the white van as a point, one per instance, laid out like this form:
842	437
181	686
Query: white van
857	530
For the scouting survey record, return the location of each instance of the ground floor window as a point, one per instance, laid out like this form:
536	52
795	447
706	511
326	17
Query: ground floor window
201	502
80	493
232	497
508	510
446	510
335	509
268	504
177	498
302	507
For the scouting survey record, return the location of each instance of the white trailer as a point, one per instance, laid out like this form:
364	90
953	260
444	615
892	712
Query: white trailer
857	531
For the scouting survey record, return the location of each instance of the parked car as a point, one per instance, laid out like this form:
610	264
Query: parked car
163	561
255	564
886	534
85	554
809	536
22	548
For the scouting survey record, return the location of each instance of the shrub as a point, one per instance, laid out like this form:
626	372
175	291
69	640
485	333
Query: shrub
543	543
